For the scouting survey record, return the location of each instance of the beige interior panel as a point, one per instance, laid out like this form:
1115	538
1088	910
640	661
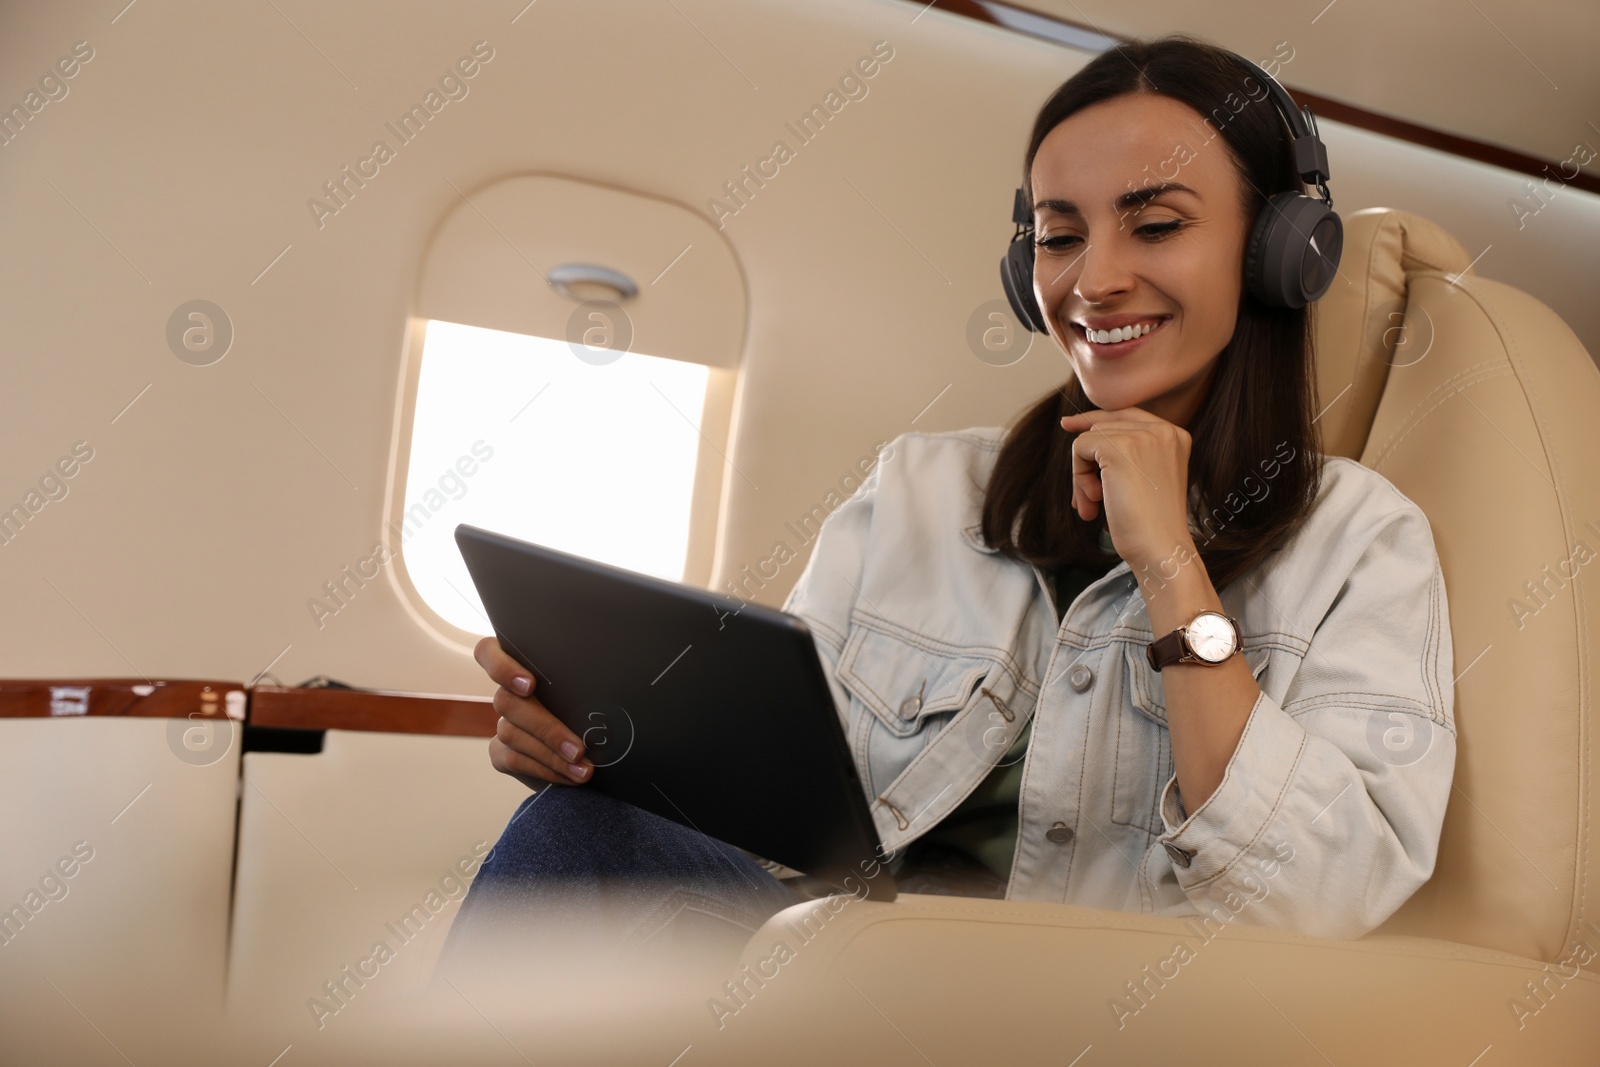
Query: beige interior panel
336	850
141	922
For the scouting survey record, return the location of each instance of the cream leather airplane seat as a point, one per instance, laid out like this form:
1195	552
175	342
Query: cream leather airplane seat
1478	403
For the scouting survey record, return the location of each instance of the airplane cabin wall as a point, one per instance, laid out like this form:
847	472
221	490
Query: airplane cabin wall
179	164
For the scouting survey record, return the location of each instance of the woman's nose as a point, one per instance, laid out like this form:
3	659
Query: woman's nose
1102	273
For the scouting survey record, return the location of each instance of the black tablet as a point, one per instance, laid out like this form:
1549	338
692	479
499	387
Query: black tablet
707	710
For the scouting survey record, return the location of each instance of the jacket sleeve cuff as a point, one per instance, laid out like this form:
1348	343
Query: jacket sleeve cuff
1205	844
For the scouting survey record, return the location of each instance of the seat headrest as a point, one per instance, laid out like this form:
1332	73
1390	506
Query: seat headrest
1358	322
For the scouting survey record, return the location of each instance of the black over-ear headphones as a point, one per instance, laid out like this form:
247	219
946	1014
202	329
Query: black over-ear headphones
1293	251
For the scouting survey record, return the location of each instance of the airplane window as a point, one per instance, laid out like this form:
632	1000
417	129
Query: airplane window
579	449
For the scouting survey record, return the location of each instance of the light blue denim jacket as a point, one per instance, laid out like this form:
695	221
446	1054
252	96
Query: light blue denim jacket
939	650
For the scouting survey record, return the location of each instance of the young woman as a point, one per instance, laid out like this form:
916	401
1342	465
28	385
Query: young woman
1149	649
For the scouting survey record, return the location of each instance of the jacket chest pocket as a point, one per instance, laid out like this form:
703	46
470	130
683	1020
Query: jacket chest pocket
906	682
1139	734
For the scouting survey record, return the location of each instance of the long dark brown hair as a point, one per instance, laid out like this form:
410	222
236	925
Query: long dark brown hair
1255	455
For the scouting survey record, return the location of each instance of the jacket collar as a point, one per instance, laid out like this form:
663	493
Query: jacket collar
973	535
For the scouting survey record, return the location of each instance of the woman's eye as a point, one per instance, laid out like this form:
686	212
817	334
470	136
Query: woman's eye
1053	242
1160	229
1155	231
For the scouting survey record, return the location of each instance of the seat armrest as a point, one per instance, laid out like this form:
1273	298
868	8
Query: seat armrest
967	980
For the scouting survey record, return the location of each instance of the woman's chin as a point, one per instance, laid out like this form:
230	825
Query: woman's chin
1106	399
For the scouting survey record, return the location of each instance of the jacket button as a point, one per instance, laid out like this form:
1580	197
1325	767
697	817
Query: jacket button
1080	677
913	704
1060	833
1180	856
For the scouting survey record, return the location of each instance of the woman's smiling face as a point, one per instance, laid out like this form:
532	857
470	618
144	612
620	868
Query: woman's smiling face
1175	258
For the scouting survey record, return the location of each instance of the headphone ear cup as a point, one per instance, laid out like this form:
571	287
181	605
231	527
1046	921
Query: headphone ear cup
1254	277
1293	252
1016	277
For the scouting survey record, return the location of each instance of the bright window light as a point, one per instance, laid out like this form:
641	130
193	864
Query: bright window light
518	435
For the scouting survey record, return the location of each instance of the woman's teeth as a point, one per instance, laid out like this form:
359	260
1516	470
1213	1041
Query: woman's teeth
1121	333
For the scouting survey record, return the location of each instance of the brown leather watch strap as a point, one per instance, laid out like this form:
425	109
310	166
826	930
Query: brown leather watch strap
1165	650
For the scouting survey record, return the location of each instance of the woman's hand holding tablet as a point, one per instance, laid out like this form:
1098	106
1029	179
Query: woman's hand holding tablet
530	744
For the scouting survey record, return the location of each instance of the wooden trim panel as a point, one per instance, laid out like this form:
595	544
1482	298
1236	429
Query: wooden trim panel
385	710
26	698
382	710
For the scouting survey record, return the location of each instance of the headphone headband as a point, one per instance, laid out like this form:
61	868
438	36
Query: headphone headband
1310	155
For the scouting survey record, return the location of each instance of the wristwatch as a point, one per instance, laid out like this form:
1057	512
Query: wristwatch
1209	638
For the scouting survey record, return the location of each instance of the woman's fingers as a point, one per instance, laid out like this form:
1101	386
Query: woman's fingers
1087	490
534	718
527	727
529	772
501	668
527	754
529	740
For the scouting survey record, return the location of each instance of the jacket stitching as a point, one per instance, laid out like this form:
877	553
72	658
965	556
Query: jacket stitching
1022	789
1272	813
833	637
1378	702
967	683
882	797
1116	769
874	700
1077	805
1146	890
1144	699
1427	714
967	710
1132	822
960	693
1258	639
867	620
863	728
1153	817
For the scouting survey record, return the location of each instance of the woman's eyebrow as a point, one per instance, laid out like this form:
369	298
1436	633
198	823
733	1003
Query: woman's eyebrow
1130	199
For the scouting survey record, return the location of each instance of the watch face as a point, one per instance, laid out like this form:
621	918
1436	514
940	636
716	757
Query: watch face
1211	636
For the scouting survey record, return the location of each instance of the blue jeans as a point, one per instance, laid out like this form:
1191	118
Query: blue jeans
576	867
